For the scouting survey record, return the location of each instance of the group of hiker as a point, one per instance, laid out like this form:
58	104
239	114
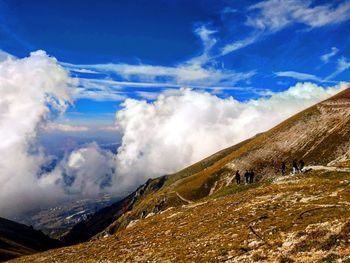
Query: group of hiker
297	167
248	177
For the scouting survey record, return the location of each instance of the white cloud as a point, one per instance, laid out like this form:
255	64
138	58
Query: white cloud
298	75
148	95
187	74
198	71
208	41
342	65
87	172
102	94
5	56
239	44
82	70
64	127
270	16
177	130
274	15
326	57
32	90
108	128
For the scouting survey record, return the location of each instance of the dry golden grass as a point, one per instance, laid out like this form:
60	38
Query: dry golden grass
300	218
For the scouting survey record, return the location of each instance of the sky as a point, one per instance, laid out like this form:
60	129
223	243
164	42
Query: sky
139	49
98	96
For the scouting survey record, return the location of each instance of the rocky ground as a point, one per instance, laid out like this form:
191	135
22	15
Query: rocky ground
302	218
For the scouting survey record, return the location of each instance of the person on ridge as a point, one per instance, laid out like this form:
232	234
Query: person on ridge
246	176
283	168
295	167
251	176
238	177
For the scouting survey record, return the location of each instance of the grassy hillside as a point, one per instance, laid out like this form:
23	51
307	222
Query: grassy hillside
143	199
320	135
303	218
199	214
18	240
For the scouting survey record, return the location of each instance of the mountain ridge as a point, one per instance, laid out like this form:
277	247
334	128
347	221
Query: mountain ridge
204	215
319	135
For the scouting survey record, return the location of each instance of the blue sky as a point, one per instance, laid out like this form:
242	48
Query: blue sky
139	49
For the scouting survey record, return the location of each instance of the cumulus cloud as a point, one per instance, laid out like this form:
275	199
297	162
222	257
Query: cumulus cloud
177	130
86	172
32	90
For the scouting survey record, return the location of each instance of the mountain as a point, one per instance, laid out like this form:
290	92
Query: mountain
200	214
99	221
320	135
301	218
18	240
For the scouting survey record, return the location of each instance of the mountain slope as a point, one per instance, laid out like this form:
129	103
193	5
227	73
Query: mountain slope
97	223
320	135
198	214
302	218
18	240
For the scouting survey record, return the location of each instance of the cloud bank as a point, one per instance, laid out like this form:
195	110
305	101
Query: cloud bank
177	130
159	137
86	172
32	91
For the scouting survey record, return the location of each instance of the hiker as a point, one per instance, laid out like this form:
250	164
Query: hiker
238	177
143	214
295	167
251	176
246	176
283	168
301	165
156	209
